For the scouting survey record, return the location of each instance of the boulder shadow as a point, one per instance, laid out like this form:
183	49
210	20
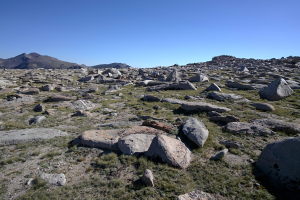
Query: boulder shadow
279	191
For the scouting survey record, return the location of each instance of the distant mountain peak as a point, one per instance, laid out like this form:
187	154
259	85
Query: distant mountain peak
34	60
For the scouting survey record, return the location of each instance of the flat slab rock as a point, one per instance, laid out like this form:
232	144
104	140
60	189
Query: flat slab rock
248	129
104	139
202	107
279	125
28	135
108	139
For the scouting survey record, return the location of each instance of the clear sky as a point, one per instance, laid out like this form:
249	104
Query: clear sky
145	33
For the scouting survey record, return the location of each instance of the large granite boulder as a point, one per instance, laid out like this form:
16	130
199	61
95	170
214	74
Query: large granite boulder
171	151
276	90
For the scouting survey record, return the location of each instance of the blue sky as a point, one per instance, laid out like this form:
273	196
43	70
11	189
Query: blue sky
146	33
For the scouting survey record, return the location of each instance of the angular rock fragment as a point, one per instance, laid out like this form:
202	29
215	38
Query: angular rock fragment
171	151
135	143
213	87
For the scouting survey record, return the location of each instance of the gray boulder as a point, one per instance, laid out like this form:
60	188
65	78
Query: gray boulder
280	162
276	90
196	131
199	78
174	76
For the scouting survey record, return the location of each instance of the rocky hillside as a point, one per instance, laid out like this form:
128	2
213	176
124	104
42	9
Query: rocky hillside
218	130
34	61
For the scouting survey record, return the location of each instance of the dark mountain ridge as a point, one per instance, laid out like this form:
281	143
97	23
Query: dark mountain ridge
35	60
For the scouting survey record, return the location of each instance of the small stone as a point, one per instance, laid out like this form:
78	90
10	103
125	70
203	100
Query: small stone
39	108
148	178
219	155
